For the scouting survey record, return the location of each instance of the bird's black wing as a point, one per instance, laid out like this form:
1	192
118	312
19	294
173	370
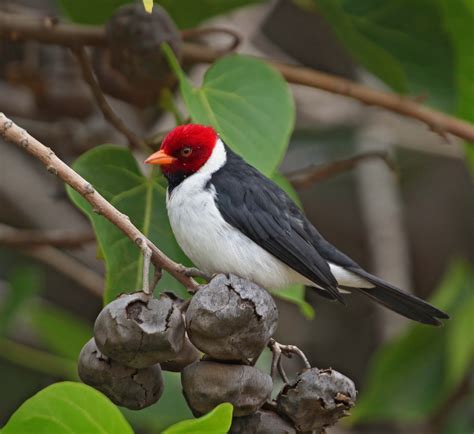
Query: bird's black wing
265	213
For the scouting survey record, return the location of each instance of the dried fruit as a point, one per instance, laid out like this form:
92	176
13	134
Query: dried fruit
188	354
231	318
139	330
128	387
207	384
261	422
317	399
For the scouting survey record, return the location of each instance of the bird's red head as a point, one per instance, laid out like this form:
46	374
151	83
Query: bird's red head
185	149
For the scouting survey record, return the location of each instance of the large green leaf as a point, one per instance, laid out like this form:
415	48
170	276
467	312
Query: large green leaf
217	421
67	408
90	11
402	42
247	102
411	376
62	332
114	172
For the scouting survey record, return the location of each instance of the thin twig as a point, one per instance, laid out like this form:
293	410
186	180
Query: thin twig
302	179
278	350
68	266
109	114
18	136
18	26
204	31
10	236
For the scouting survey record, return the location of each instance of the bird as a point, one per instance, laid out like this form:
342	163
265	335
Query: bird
228	217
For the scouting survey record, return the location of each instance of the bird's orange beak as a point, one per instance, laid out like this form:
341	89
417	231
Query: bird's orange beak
161	158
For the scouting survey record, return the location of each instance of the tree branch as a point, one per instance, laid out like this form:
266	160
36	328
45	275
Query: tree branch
302	179
68	266
10	236
49	31
109	114
18	136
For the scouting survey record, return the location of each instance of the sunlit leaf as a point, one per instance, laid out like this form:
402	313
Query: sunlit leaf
68	408
217	421
148	5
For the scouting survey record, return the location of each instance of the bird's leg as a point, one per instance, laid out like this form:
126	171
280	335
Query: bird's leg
196	272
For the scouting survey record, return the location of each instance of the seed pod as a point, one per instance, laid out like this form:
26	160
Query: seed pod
138	330
317	399
188	354
231	318
261	422
207	384
125	386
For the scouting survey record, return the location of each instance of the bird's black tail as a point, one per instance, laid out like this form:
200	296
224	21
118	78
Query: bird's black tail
401	302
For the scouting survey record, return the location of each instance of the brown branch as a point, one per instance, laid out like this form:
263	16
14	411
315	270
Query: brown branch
18	26
109	114
49	31
68	266
10	236
18	136
302	179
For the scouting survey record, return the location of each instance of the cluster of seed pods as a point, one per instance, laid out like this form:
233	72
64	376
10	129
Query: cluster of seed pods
214	341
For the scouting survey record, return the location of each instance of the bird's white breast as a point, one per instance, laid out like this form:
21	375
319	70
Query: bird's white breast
213	244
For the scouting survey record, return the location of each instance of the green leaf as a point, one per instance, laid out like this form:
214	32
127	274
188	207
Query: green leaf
189	13
24	283
217	421
247	102
459	21
403	43
67	408
114	172
62	332
412	375
90	11
295	294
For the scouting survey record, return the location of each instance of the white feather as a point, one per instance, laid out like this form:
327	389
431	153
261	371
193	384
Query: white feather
215	246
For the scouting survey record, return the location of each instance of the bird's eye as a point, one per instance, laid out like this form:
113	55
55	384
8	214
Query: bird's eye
186	152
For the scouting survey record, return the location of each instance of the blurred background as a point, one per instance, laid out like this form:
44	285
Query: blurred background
405	212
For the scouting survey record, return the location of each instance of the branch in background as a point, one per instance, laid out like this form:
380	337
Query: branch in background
16	135
109	114
68	266
47	30
302	179
10	236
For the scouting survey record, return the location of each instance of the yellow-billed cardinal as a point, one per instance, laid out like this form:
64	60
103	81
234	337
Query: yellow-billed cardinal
229	218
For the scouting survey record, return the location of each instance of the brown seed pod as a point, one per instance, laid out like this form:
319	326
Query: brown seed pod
261	422
188	354
138	330
207	384
317	399
125	386
231	318
134	62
